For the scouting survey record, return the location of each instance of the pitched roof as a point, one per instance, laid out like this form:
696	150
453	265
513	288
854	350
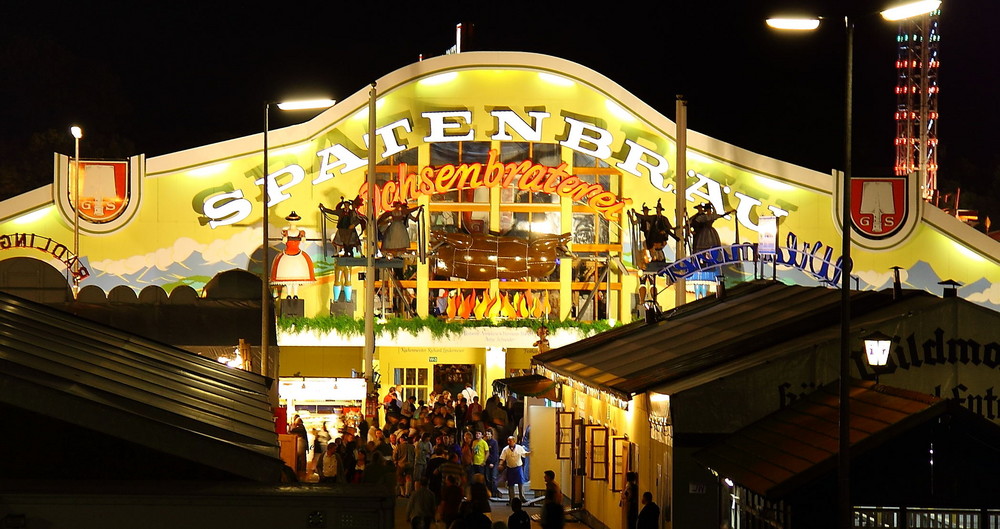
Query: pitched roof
706	334
793	445
138	390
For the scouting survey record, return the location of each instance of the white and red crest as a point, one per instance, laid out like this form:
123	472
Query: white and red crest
884	210
104	196
878	206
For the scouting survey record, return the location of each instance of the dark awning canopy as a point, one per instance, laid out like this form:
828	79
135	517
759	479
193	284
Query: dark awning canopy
708	334
135	391
529	386
797	445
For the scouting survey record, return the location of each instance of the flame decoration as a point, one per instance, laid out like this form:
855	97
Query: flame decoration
512	305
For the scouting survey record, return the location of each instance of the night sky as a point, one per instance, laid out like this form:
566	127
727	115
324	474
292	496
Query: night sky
163	77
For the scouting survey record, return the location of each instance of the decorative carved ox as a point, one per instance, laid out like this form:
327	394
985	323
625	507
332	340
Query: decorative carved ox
482	257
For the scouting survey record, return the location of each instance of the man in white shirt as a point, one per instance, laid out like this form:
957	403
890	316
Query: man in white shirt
469	393
512	457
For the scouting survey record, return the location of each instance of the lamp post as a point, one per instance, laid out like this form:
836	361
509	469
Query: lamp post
910	9
77	133
370	251
265	183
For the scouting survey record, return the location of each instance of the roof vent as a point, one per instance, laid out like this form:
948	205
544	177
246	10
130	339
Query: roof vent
897	285
950	288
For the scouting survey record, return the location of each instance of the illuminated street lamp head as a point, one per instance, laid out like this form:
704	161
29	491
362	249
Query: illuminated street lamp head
877	347
77	132
794	24
306	104
911	9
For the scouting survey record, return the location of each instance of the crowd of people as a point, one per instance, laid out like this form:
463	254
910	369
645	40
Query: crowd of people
444	455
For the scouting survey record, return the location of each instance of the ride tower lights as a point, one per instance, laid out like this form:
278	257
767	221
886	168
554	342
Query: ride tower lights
917	101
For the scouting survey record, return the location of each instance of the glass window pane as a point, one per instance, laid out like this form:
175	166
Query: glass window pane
444	153
397	376
547	154
475	151
422	376
583	160
411	376
584	229
512	152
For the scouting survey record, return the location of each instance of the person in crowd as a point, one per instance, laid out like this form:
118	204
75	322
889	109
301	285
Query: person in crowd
348	457
480	451
360	464
470	518
492	459
381	446
409	407
468	392
422	454
435	479
479	495
330	465
321	437
298	429
461	409
553	494
553	516
452	467
512	458
518	519
404	457
630	500
451	500
468	455
649	516
420	509
475	408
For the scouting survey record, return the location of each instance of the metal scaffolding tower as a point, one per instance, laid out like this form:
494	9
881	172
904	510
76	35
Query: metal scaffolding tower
916	101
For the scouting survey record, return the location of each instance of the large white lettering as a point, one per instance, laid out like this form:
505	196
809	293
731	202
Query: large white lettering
638	155
389	137
227	208
576	136
276	193
708	190
505	118
438	123
581	136
336	156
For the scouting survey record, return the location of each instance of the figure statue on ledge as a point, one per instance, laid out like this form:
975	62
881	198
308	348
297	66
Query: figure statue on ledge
543	339
292	266
704	235
346	238
656	229
393	227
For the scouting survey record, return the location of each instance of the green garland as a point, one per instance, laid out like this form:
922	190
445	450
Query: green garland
439	328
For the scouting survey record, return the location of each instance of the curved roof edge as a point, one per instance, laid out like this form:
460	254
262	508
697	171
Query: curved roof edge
357	102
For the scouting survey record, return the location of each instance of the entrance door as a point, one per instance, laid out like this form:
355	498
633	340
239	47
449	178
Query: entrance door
453	377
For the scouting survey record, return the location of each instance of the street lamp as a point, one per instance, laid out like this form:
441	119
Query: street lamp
77	133
897	12
877	346
265	291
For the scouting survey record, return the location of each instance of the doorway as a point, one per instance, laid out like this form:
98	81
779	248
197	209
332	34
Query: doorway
453	377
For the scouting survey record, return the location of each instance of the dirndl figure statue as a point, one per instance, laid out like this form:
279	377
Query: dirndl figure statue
292	267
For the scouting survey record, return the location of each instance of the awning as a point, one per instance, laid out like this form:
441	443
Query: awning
134	391
709	334
794	445
529	386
